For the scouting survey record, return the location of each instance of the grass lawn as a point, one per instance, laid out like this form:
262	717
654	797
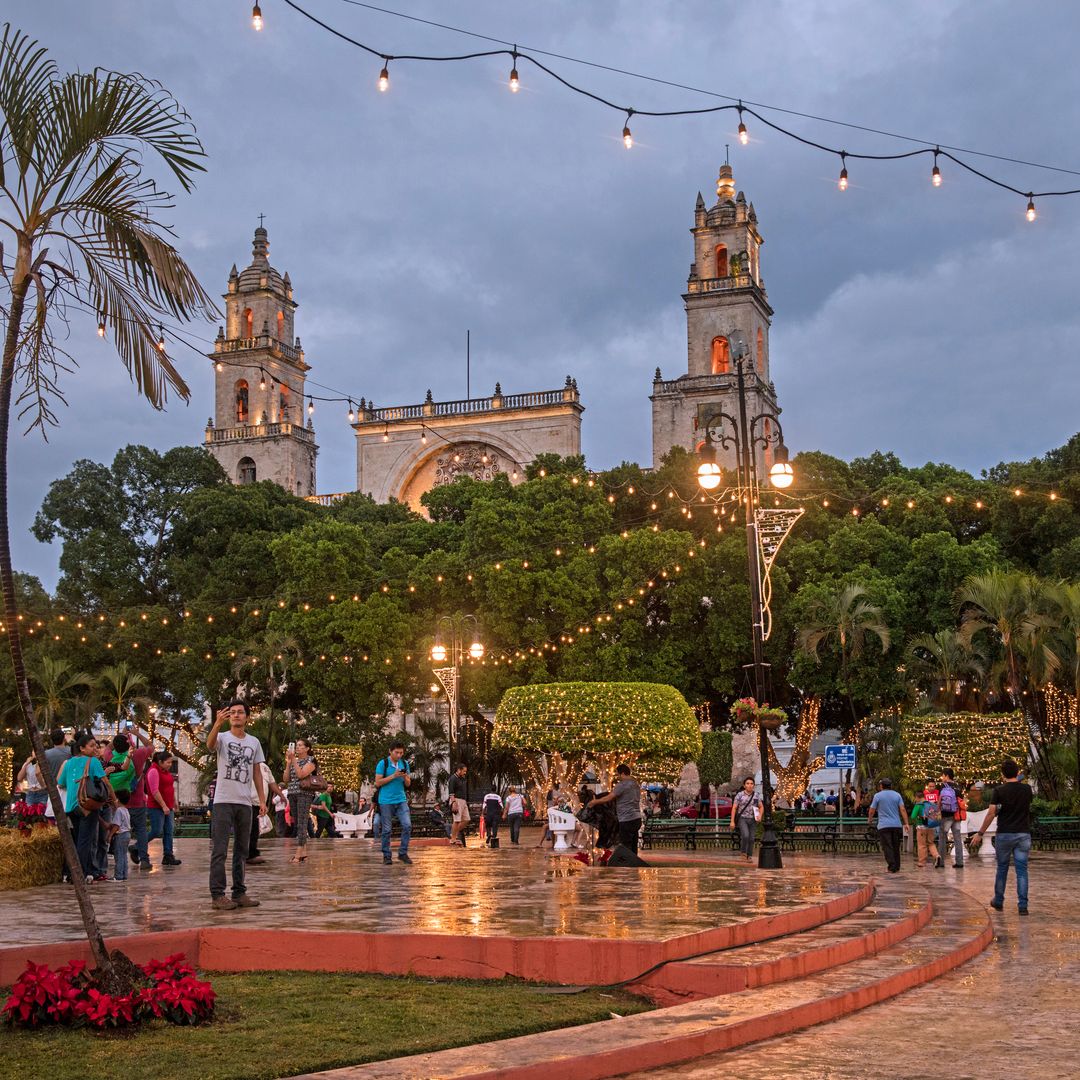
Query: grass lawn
274	1024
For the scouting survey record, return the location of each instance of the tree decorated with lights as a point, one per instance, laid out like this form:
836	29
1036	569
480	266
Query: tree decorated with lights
971	744
561	730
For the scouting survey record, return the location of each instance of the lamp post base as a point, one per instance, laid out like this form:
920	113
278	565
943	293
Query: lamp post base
769	855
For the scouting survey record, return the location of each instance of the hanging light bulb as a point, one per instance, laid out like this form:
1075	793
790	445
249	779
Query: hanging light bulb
744	135
1031	207
515	83
256	17
627	138
310	406
842	183
384	78
220	366
101	328
386	433
352	414
262	379
935	174
423	435
161	338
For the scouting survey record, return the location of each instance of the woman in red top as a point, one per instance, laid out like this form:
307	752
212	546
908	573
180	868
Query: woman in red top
161	801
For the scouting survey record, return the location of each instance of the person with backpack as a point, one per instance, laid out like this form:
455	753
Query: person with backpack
928	826
492	810
951	817
392	777
82	777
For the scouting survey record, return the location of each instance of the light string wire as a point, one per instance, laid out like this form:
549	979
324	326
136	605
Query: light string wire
741	106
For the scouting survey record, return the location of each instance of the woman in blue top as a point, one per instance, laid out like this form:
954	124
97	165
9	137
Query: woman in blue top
85	825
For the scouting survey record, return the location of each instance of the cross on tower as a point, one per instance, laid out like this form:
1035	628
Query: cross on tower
261	217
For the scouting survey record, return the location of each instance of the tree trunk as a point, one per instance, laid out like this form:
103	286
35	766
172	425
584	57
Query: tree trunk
21	284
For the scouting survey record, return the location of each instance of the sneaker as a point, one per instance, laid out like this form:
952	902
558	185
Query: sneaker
997	907
1023	910
940	864
958	866
243	900
388	860
222	903
170	860
133	854
100	877
405	859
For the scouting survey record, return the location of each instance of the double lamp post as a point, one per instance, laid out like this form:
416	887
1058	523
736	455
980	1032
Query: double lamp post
449	652
746	435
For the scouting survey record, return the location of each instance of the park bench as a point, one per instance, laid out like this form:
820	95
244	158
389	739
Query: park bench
708	834
1054	831
678	832
822	833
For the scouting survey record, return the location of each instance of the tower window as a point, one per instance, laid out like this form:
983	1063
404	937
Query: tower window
281	326
721	356
243	410
283	404
721	261
245	471
760	352
249	323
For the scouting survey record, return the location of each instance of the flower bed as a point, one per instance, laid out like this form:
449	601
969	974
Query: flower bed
69	996
30	856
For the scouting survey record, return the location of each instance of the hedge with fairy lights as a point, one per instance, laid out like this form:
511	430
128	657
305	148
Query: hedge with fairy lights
561	730
971	744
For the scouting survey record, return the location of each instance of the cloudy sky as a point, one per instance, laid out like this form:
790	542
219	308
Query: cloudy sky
934	322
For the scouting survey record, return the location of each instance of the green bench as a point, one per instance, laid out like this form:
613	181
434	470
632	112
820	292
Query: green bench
1054	831
825	834
680	832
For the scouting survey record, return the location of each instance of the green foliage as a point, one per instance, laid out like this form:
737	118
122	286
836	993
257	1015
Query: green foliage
715	762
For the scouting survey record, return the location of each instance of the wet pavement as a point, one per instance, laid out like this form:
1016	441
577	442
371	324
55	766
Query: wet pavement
1009	1013
345	886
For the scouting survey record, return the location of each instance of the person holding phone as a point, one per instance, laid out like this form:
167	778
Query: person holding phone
299	765
392	777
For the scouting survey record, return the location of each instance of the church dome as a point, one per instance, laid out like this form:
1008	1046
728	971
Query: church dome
252	277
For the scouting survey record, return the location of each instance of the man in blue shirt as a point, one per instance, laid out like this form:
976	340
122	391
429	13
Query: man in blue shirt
892	822
392	777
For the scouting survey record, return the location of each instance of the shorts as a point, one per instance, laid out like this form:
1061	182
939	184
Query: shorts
460	810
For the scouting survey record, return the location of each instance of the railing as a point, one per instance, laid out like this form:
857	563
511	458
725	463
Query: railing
469	406
690	383
723	284
327	500
258	431
263	341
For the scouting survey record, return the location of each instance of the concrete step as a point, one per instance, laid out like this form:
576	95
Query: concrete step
958	930
897	911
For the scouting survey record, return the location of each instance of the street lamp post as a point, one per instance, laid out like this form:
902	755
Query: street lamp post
450	656
780	475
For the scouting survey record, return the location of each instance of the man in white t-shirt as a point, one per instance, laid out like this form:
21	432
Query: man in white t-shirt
238	758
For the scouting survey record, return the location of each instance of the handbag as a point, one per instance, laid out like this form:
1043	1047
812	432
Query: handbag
313	782
93	791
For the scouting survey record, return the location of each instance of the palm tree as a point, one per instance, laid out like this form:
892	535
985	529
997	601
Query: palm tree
944	659
430	749
842	619
1065	598
57	687
122	688
79	233
268	660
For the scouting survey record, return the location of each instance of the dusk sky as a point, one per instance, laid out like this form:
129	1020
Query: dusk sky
937	323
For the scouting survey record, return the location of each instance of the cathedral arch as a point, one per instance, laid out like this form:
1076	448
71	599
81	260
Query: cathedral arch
245	471
721	260
248	323
281	326
243	410
760	351
283	403
721	356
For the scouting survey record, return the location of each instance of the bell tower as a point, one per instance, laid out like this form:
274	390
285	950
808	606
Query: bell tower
727	313
258	430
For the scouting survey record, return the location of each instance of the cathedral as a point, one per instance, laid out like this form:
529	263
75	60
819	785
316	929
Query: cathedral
259	430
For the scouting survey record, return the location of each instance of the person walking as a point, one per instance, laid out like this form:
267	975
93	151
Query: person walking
1011	805
55	756
121	836
238	755
161	802
323	807
459	804
926	819
392	777
745	814
492	810
949	802
299	765
139	803
30	774
514	813
255	856
85	763
892	817
626	794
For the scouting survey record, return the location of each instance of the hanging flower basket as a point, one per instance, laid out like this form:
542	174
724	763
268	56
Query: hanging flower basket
744	710
771	719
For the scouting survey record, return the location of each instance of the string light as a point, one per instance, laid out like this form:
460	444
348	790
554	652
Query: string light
262	379
310	406
935	173
1031	207
161	338
101	328
352	413
744	135
256	17
627	138
384	78
515	83
843	181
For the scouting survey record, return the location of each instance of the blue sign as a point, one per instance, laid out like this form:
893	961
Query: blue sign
840	756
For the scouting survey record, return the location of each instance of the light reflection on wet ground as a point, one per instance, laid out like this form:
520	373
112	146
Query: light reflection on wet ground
345	886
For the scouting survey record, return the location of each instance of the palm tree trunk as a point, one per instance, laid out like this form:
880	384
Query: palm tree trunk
20	287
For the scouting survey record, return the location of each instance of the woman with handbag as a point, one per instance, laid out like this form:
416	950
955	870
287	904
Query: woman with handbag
301	778
86	791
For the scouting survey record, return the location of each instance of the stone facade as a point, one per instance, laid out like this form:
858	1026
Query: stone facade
405	450
258	430
726	310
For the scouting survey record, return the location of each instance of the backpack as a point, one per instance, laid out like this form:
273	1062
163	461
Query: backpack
931	814
375	791
947	798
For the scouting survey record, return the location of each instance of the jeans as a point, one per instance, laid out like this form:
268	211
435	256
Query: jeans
120	855
628	833
890	840
747	829
161	825
141	832
1015	846
514	821
226	819
100	858
951	823
37	798
325	824
86	828
389	811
